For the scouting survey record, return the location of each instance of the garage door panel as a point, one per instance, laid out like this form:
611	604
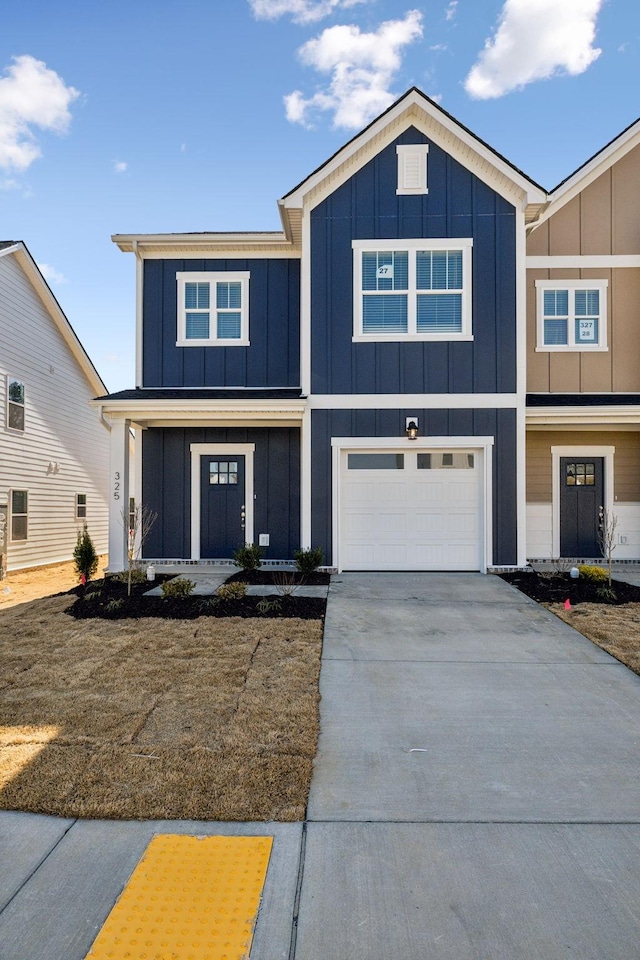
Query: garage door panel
414	517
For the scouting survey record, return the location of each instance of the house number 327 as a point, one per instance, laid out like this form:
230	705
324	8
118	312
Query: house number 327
116	486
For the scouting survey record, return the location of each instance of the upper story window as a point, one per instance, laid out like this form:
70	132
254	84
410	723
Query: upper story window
412	289
15	404
213	309
572	315
412	168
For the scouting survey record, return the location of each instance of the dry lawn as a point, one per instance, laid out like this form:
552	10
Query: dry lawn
615	629
204	719
24	585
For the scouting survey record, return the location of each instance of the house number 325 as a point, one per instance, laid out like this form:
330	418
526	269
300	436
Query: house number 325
116	486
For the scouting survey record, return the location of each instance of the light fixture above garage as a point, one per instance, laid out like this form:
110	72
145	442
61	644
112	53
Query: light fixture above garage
411	428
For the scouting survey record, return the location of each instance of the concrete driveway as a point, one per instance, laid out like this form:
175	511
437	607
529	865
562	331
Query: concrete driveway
475	797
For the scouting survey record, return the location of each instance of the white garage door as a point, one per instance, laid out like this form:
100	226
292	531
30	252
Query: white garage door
411	510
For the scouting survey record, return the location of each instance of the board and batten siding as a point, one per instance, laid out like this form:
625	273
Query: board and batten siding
367	207
271	360
602	220
626	463
60	428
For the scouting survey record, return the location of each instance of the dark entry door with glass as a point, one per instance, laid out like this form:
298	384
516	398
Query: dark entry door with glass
581	496
222	505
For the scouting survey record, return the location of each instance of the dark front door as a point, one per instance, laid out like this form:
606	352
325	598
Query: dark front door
222	493
581	496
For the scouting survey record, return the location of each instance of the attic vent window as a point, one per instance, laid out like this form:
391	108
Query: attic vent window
412	168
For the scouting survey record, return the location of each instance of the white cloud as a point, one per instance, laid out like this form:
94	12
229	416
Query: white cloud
31	96
302	11
120	166
450	12
361	65
52	275
534	40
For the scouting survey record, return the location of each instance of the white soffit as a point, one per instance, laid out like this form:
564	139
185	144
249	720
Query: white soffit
415	109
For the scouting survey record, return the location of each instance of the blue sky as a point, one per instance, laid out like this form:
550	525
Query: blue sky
141	117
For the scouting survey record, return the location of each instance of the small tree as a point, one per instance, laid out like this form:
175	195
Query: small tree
607	525
138	523
85	556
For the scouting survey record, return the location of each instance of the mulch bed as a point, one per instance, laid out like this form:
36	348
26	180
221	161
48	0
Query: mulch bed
265	576
558	587
108	600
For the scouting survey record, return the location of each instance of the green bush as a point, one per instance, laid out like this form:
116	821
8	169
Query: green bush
607	593
177	588
248	556
232	591
85	556
308	561
590	572
138	575
267	605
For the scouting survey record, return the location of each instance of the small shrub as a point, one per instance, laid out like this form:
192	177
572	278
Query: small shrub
285	584
249	556
84	555
591	572
177	588
136	575
267	605
207	604
606	593
308	561
232	591
114	605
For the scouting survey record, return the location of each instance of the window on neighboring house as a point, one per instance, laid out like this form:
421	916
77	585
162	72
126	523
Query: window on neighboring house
572	315
213	309
15	404
81	506
412	289
19	513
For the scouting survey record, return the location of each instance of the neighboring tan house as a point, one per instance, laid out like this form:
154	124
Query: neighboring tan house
54	447
583	358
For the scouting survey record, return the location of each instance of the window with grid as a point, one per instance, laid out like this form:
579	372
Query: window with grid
572	315
213	309
413	289
19	514
81	506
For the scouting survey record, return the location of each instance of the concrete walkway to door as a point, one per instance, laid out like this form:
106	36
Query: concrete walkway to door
476	791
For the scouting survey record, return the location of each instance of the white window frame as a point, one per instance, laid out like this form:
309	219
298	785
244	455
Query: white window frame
465	244
213	278
412	155
11	538
572	345
11	379
81	505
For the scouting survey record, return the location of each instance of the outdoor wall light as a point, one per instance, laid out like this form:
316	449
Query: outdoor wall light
411	428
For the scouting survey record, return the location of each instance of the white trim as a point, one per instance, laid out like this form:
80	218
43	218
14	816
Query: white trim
405	151
339	445
573	345
521	388
305	306
418	111
579	262
119	450
577	451
305	481
213	278
139	315
402	401
411	246
199	450
600	417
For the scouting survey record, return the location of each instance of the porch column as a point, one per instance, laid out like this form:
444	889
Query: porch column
118	494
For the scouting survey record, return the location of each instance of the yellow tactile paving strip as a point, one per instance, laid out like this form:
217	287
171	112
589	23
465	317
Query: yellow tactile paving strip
189	898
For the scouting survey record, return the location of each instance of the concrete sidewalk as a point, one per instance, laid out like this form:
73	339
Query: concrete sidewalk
475	797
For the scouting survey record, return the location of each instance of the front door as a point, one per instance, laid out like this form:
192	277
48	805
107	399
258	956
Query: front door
581	496
222	505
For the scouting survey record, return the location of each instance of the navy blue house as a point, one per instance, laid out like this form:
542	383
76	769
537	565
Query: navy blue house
354	381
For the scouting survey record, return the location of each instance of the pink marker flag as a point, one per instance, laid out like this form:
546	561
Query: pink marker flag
567	604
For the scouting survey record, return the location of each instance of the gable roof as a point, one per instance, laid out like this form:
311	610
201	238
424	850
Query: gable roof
19	249
416	109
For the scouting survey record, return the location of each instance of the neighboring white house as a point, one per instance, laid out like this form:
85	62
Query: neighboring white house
54	447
